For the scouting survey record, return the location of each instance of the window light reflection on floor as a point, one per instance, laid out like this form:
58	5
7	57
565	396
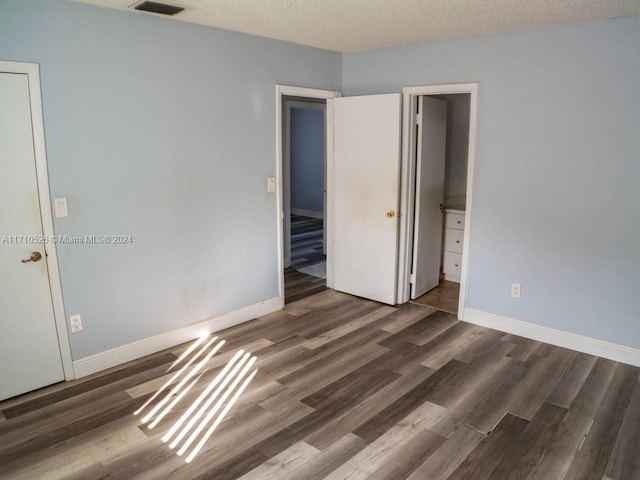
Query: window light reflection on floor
207	411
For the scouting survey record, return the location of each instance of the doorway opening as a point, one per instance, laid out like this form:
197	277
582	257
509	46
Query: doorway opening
305	185
302	162
439	182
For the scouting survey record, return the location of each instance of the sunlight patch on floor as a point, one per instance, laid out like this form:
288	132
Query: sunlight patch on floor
190	432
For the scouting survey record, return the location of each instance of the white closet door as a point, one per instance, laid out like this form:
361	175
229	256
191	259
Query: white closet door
430	153
29	350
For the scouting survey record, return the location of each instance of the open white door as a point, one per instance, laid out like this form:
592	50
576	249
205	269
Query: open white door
365	184
427	233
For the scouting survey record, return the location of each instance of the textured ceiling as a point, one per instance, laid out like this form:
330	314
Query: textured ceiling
352	25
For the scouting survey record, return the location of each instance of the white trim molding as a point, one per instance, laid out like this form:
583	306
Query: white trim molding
573	341
407	189
291	91
286	171
32	70
132	351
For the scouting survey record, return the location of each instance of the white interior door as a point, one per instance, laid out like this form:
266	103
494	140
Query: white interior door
29	350
365	191
430	156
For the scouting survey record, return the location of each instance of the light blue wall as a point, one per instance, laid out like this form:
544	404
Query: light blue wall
307	159
163	130
457	153
556	197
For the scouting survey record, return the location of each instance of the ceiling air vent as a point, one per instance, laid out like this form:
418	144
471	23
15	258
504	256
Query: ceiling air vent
161	8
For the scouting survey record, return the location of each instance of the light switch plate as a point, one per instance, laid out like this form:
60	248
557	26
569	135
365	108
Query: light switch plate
271	184
61	207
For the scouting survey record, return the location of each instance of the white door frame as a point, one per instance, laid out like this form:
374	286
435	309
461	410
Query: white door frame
32	70
407	186
292	91
286	173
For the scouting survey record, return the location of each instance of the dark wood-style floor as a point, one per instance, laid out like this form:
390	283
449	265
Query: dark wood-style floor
350	389
306	250
306	241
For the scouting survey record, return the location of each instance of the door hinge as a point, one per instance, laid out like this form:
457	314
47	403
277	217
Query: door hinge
412	279
418	119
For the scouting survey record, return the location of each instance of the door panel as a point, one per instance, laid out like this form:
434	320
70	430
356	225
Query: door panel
366	183
430	153
29	350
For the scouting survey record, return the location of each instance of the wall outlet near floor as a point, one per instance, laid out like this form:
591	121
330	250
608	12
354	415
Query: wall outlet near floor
515	290
76	323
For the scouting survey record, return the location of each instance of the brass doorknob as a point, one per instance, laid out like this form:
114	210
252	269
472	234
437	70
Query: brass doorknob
391	214
35	257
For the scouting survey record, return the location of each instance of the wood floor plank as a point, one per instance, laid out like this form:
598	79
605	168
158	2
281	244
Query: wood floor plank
145	387
326	372
412	454
377	425
284	463
571	380
390	444
444	460
233	468
430	325
406	316
348	327
569	434
328	460
454	343
406	459
87	385
590	395
483	460
47	431
315	329
351	388
346	388
529	447
315	302
80	454
624	461
537	384
481	391
46	445
348	421
523	349
450	385
592	459
340	352
492	407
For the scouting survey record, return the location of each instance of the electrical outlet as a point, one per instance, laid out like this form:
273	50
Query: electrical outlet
76	323
515	290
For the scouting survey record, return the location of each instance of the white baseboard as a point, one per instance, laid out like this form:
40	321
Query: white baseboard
126	353
450	277
581	343
306	213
